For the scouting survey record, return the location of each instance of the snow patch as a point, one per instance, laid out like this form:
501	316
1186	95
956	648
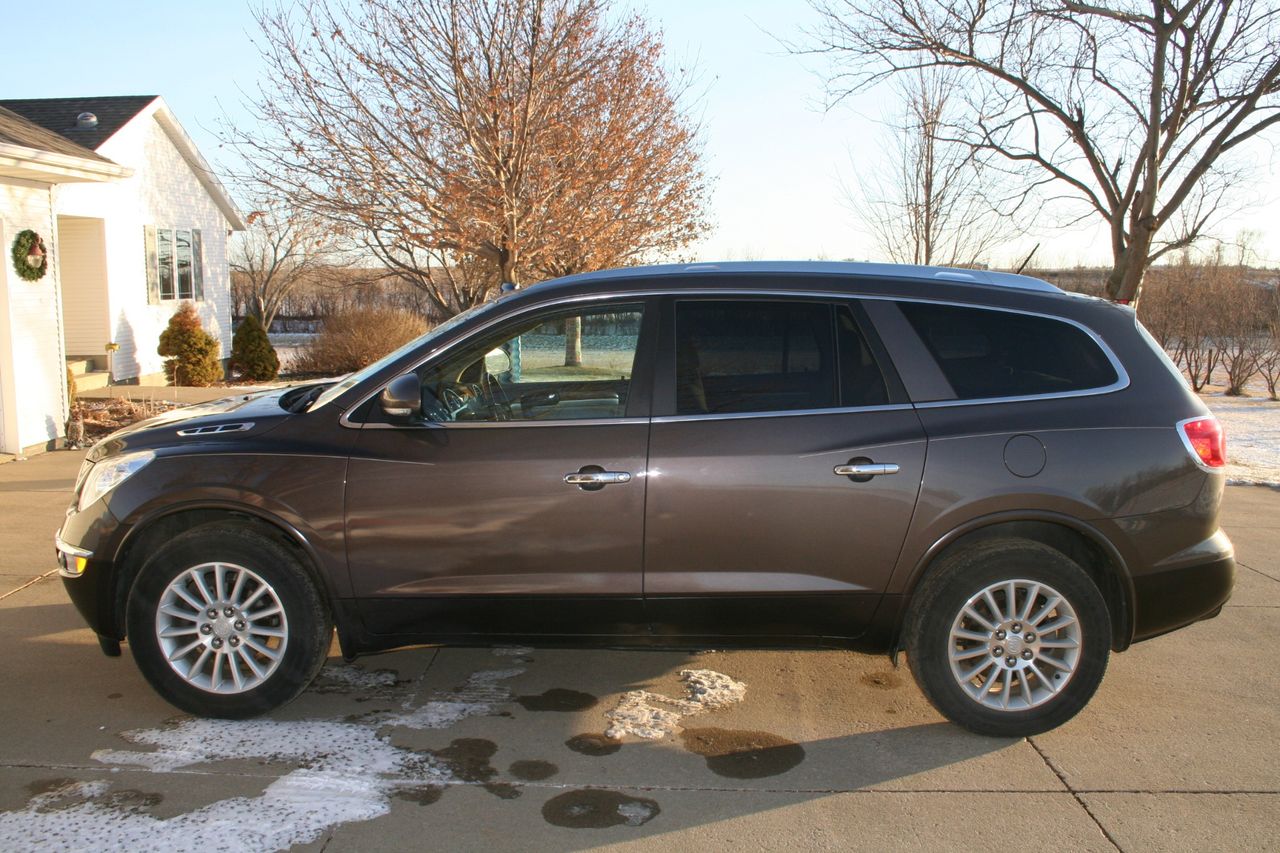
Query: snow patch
512	651
635	814
353	679
653	716
480	695
341	772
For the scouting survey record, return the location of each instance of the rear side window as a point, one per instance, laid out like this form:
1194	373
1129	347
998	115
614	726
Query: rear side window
758	356
988	353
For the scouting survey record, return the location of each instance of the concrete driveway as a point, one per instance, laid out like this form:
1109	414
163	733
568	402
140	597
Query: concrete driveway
464	749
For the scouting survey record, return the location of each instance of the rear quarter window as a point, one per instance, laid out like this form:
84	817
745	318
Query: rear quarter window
988	353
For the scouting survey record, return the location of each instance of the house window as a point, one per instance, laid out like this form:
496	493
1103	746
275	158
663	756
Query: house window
175	264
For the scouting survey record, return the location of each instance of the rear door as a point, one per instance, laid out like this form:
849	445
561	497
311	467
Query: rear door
767	514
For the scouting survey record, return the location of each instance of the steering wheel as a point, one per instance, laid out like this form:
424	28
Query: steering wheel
500	408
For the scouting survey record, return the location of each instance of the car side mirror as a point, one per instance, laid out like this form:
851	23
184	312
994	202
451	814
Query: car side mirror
402	399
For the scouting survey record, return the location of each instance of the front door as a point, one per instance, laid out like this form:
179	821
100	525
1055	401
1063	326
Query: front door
766	513
519	509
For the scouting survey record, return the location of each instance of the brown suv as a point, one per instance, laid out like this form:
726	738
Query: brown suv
1005	480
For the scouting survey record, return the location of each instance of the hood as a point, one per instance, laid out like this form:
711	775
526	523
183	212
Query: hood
227	419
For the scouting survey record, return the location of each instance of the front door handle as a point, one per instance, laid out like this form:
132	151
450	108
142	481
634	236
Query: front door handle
591	478
861	470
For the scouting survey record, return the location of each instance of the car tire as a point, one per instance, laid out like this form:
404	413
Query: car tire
224	621
1008	671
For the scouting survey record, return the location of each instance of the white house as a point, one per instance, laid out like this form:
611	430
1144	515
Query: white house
133	221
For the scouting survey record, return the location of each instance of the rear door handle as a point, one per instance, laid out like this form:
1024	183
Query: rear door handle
860	470
592	478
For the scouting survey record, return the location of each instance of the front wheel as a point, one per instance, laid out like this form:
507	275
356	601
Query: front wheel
225	622
1009	639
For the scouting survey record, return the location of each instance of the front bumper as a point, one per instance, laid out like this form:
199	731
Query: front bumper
84	549
1192	585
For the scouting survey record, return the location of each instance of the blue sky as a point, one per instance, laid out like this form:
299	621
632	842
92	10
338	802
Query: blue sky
779	160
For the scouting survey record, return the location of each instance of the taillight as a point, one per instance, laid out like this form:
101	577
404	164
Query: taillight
1205	441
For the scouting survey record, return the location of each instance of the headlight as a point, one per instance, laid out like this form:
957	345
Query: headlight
106	475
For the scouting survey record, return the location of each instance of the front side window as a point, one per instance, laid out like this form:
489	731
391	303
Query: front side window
987	353
564	366
175	264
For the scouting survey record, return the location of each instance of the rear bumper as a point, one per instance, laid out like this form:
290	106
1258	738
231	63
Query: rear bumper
1192	585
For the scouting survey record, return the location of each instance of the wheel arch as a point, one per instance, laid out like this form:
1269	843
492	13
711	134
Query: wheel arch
1077	540
148	533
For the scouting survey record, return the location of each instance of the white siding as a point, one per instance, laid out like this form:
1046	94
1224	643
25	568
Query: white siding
32	366
82	253
164	192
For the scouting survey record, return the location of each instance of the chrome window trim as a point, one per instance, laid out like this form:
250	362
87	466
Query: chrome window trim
784	413
492	424
1122	376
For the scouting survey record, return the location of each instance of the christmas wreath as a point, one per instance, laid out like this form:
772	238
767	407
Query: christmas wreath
26	245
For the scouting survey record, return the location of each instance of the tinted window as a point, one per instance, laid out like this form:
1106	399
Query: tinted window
754	357
861	381
985	353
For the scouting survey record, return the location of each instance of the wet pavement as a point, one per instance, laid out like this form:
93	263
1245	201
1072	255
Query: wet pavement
505	749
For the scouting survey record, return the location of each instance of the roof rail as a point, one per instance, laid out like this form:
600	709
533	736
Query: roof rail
960	276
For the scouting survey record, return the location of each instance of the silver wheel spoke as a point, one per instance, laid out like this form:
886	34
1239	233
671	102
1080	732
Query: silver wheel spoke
1032	595
1057	624
170	610
258	593
977	670
235	588
1047	682
249	662
186	596
198	579
1049	605
265	651
229	652
1026	687
1015	679
996	612
182	652
979	618
198	665
1056	664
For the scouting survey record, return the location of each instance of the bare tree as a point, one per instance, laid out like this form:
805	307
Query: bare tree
927	201
463	140
1128	110
281	249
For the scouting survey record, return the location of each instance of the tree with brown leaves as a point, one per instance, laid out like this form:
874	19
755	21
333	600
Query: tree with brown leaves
528	135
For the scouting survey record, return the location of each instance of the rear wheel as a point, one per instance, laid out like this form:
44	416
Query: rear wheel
225	622
1009	638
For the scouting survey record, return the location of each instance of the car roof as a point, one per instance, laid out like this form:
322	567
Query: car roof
703	271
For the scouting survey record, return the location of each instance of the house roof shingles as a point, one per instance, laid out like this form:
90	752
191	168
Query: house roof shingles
58	115
16	130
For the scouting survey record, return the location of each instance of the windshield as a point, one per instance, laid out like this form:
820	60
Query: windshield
354	379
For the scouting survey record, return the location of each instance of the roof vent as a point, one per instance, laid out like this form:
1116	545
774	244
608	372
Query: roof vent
86	120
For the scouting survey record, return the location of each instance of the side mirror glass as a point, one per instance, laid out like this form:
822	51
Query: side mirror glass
402	399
